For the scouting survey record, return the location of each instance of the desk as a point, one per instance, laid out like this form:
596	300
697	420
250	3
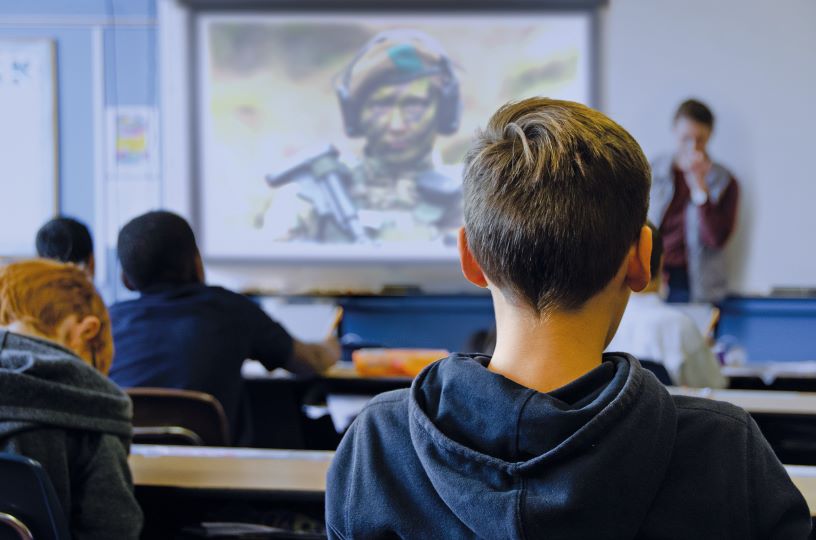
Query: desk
276	400
282	472
182	486
290	473
278	473
757	401
344	379
786	419
790	376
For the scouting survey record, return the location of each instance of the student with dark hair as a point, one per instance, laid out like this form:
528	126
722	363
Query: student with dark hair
653	330
550	438
182	333
66	240
694	202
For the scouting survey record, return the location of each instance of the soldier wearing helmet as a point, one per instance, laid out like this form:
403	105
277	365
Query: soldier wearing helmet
400	92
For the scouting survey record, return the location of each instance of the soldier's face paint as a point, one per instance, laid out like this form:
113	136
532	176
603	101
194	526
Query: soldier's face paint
400	121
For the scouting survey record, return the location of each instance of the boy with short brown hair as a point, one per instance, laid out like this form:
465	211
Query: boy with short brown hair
550	438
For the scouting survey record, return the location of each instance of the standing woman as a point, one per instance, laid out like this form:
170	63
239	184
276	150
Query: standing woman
694	203
56	405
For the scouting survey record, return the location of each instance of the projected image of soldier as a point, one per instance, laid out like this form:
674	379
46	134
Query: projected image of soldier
399	93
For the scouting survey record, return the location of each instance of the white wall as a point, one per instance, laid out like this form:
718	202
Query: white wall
753	62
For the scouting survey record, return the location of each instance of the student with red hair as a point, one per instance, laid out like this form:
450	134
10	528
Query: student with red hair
56	405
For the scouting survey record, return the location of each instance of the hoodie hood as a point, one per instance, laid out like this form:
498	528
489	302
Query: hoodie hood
42	383
504	457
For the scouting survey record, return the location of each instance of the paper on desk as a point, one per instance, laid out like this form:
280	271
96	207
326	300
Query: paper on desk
770	371
344	408
252	369
306	322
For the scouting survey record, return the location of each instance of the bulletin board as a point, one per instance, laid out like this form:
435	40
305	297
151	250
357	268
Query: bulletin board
28	142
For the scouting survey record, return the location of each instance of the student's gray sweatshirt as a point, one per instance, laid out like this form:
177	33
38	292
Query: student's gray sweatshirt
58	410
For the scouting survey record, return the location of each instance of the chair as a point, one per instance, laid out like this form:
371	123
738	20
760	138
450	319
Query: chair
177	417
658	370
29	507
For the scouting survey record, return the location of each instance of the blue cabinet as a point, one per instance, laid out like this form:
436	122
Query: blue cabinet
770	329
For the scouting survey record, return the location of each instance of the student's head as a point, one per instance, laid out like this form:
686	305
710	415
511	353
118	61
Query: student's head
58	302
555	197
67	240
158	248
693	124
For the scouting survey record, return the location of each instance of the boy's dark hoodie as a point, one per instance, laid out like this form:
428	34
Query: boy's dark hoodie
467	453
58	410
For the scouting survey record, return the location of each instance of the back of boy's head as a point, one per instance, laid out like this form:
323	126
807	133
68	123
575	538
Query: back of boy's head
555	195
43	293
157	248
65	239
657	251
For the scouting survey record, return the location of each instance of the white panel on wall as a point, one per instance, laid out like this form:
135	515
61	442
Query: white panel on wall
752	62
28	142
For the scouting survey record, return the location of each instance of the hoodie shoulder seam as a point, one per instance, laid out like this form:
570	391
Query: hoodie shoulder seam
373	403
524	403
733	417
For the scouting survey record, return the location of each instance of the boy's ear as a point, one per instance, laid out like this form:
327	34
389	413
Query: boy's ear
199	269
470	268
638	271
126	282
88	328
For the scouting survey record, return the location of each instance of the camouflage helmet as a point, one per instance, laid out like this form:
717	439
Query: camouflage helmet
395	57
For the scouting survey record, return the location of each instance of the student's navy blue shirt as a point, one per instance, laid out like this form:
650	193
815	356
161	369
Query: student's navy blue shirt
468	453
194	337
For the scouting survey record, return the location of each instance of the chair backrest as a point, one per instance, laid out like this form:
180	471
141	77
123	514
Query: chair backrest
181	417
29	507
658	370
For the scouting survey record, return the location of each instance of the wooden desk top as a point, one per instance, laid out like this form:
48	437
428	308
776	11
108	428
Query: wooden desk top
757	401
283	471
239	469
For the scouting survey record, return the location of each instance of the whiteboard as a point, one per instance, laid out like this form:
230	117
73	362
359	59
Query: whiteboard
28	142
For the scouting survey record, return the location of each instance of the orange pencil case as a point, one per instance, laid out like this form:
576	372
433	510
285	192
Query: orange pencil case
394	362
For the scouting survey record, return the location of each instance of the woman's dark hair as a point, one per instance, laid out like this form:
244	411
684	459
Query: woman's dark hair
695	110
